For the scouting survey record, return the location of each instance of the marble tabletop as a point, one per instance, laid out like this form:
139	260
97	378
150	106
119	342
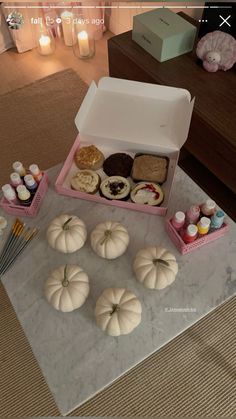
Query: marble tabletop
75	356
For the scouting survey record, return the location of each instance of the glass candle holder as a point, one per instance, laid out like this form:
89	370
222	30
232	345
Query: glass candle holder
83	43
59	37
67	18
45	42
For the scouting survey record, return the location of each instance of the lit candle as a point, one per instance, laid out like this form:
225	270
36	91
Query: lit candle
83	43
45	45
67	22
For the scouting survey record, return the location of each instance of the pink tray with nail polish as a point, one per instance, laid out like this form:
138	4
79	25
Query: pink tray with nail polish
199	242
33	209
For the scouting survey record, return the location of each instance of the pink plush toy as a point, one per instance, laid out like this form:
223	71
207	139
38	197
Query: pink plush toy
217	50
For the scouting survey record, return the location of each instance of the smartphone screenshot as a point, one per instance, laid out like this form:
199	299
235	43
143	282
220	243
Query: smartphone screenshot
117	208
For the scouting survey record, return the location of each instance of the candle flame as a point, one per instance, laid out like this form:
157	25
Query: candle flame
83	35
66	14
44	40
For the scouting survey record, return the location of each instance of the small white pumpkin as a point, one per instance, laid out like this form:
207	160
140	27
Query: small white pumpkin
118	311
67	233
155	267
109	240
67	288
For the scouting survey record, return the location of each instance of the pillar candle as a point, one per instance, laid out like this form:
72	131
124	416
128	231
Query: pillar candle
83	43
45	45
67	22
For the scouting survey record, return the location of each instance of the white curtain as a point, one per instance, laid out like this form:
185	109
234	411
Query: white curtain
6	41
23	38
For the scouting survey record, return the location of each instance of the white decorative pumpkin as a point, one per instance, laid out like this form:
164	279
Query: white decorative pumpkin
67	288
109	240
118	311
67	233
155	267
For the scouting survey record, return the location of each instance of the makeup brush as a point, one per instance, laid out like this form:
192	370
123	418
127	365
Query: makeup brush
13	248
10	237
27	239
13	244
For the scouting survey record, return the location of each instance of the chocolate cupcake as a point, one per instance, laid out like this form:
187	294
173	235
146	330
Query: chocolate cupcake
115	187
147	193
118	164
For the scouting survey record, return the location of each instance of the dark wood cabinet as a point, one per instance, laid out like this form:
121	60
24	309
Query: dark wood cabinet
211	145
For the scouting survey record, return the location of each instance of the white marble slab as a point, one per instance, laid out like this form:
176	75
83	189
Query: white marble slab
76	358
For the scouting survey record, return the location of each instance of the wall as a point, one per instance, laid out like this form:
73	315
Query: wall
120	19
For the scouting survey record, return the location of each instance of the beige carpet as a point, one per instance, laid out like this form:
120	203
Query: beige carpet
194	375
37	121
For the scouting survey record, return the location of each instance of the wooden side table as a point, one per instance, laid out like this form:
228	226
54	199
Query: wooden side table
209	155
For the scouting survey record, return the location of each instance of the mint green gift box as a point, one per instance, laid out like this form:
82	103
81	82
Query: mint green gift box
163	33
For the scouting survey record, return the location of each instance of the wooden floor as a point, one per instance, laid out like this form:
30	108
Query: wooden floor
17	70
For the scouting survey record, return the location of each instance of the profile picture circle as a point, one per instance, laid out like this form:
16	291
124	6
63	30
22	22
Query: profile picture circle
15	20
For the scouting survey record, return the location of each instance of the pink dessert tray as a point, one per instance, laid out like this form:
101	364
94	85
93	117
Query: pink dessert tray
33	209
199	242
69	169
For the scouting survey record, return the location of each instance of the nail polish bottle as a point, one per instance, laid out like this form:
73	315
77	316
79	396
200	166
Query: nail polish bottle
193	214
217	220
203	226
31	184
19	168
9	194
36	172
23	195
15	179
178	220
190	233
208	208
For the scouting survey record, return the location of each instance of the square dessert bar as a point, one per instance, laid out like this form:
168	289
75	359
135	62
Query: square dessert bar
150	168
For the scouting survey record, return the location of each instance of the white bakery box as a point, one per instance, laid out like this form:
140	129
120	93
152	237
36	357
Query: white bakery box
132	117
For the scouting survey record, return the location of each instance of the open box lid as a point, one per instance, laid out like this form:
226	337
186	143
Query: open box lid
135	113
